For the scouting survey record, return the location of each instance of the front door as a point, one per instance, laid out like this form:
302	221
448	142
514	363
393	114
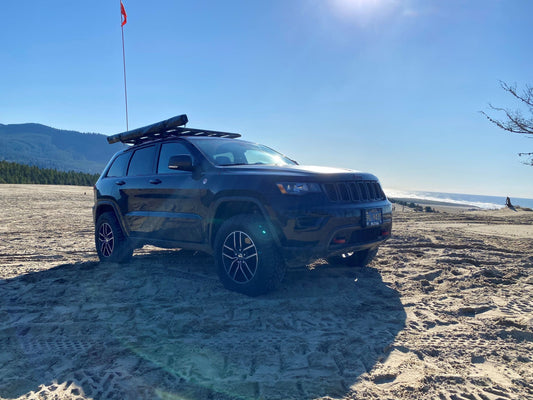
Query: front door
176	199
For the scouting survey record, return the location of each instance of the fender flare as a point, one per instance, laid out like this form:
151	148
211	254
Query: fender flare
116	210
243	199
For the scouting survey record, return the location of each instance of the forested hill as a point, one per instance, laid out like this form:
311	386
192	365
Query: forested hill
46	147
18	173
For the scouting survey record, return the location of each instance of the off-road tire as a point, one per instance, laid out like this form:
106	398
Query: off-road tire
111	243
247	258
356	259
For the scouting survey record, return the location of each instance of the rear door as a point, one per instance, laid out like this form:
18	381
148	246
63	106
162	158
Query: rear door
136	188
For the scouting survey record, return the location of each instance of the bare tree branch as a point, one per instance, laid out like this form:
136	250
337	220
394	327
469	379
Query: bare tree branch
514	121
526	98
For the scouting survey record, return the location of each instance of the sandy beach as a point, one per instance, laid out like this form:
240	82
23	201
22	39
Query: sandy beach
444	312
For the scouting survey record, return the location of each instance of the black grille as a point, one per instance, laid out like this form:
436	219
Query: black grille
365	235
355	191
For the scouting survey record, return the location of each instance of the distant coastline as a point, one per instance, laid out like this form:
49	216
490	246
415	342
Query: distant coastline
434	203
456	199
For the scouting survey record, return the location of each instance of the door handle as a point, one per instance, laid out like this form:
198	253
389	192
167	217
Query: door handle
120	183
155	181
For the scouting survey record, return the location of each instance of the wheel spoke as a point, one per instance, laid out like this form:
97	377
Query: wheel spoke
108	249
249	247
248	275
234	264
229	248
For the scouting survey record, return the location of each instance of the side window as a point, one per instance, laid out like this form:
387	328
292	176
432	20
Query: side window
142	161
118	168
168	150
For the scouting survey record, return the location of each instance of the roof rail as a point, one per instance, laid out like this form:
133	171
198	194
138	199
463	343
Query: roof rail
171	127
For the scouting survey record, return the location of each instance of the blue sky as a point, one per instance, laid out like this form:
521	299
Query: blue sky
387	86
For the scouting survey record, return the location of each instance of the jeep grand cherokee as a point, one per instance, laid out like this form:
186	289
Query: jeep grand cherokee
254	209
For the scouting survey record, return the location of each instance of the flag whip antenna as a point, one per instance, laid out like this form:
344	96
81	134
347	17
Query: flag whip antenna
123	20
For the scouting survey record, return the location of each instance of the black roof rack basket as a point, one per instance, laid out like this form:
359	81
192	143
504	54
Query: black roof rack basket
174	126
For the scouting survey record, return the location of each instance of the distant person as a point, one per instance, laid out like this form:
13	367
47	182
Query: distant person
508	202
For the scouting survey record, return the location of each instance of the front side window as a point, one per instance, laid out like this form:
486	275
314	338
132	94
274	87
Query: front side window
169	150
142	162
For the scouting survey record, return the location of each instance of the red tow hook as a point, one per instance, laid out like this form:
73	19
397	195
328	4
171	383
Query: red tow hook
339	240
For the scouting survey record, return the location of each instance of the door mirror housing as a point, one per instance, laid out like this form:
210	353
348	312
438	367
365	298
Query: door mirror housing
182	162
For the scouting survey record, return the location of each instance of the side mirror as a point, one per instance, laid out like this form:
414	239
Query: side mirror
182	162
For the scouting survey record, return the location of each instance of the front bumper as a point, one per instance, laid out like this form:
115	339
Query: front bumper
307	234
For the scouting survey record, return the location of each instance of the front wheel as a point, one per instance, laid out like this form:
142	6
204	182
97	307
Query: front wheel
246	256
111	244
354	259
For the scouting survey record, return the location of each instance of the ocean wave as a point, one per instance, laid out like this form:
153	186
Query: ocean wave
483	202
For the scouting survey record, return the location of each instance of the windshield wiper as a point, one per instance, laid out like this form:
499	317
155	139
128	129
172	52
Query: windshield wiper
231	165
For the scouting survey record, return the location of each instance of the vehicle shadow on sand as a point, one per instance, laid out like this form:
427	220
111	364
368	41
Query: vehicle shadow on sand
163	326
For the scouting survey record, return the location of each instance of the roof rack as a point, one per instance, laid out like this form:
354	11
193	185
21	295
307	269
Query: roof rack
174	126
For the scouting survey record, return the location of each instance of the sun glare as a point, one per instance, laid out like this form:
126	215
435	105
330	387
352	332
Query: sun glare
357	5
361	10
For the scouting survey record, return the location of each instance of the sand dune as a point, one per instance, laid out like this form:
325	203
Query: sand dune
445	311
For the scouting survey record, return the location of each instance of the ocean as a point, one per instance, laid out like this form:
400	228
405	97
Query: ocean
484	202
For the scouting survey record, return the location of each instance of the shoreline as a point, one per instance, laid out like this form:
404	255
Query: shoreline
441	206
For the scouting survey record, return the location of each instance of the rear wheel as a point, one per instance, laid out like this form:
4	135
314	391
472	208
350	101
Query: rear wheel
354	259
111	243
246	256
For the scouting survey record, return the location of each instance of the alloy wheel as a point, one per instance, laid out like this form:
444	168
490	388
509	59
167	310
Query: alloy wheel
106	239
240	257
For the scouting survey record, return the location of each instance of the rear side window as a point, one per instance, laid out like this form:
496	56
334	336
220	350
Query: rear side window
118	168
142	162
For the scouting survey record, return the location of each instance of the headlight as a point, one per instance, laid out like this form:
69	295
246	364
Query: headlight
298	187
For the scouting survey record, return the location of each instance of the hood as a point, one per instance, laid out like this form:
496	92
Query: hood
309	172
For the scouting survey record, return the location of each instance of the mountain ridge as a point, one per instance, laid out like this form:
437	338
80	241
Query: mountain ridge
47	147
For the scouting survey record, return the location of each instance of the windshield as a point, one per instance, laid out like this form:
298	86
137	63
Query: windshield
226	152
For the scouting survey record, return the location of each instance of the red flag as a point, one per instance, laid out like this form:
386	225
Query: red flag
124	15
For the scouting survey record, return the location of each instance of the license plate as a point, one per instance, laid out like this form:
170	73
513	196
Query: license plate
373	217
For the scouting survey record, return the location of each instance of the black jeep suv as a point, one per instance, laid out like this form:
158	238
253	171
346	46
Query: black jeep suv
251	207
